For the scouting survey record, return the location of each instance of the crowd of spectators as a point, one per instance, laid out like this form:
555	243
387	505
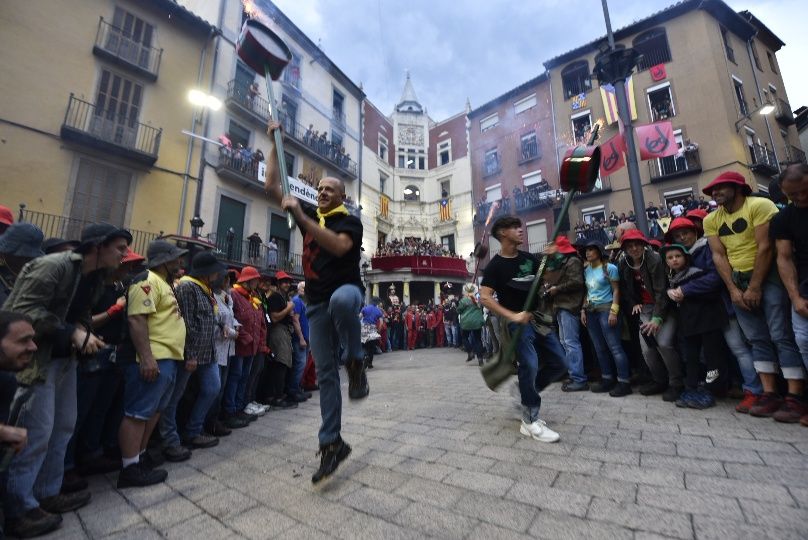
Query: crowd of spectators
240	157
135	361
414	246
318	141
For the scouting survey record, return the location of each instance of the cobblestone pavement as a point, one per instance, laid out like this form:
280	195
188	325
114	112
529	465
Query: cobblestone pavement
435	453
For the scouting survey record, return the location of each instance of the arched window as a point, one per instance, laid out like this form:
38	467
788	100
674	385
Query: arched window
653	48
575	79
412	193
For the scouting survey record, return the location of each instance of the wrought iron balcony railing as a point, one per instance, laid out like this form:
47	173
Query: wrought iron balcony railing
109	131
113	44
783	113
529	151
689	162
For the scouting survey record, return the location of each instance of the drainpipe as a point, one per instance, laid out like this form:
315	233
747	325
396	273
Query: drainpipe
359	159
552	115
186	176
760	97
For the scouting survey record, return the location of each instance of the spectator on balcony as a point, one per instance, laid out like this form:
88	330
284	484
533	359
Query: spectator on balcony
20	244
677	210
254	243
272	253
614	221
245	153
252	93
703	204
56	292
257	157
308	134
6	218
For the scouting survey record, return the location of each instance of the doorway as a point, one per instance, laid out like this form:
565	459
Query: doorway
230	227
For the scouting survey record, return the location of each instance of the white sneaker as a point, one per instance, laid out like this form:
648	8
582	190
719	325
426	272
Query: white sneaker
539	431
256	409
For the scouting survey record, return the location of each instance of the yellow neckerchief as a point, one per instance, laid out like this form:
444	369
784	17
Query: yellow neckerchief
254	299
205	289
338	210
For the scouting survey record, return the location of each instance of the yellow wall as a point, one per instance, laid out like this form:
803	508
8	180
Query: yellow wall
47	55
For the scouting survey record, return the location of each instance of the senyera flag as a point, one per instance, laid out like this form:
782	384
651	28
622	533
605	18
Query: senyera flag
611	155
656	140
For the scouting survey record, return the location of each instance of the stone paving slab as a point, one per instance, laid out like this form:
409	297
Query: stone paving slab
436	454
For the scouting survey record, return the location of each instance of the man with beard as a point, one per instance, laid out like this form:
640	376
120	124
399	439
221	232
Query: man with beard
331	255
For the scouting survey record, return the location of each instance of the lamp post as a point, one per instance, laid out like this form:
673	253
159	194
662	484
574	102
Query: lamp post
202	102
613	66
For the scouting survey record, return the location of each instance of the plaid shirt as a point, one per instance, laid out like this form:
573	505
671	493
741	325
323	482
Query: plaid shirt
200	321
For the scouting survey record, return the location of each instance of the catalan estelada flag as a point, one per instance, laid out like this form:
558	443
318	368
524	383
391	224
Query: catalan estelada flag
610	101
384	205
445	210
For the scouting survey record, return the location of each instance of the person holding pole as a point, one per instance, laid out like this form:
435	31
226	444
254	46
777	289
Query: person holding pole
332	239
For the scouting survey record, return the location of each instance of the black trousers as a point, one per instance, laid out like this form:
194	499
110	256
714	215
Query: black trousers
713	344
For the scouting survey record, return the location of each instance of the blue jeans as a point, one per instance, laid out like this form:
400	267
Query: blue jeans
534	375
770	333
235	391
49	415
474	342
800	324
736	342
451	334
569	329
334	326
209	385
298	366
606	339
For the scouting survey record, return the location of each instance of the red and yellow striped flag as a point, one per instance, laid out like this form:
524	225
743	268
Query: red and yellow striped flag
445	210
384	205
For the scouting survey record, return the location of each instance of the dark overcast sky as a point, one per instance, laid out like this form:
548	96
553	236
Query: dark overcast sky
482	48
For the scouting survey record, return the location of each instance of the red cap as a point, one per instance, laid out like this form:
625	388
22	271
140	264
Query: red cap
681	223
6	215
282	275
697	213
728	177
563	245
632	234
248	273
656	243
131	256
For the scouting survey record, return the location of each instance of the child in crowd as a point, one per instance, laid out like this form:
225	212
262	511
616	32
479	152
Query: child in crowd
700	320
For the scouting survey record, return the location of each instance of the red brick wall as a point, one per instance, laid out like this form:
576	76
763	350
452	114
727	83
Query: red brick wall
456	128
374	120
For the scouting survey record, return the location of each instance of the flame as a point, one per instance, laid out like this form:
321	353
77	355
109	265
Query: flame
250	8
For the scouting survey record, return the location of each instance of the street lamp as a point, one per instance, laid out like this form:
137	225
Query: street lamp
202	101
763	110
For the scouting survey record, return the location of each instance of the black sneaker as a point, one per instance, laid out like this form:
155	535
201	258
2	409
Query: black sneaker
235	422
177	453
220	430
331	456
136	475
605	385
72	482
622	389
246	416
35	522
65	502
282	404
672	393
357	379
654	388
574	386
152	460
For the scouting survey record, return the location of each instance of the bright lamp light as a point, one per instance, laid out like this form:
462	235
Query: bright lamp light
767	109
202	99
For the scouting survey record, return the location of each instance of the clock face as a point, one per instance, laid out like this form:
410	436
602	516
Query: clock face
410	135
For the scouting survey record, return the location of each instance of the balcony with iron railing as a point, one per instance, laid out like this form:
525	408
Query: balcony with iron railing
576	84
794	154
323	149
653	56
112	44
483	208
762	160
783	113
108	131
239	251
528	152
70	228
536	197
238	167
668	168
491	166
244	100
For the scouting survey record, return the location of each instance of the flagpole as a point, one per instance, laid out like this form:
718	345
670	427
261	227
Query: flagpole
620	71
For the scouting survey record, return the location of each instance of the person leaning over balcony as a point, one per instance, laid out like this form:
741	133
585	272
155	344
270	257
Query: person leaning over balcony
790	232
56	292
643	281
738	233
332	240
567	292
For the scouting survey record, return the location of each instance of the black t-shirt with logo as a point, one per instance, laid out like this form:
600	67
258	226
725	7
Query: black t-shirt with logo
791	223
324	271
500	273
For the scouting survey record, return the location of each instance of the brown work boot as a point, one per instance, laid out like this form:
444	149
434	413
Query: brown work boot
357	379
34	522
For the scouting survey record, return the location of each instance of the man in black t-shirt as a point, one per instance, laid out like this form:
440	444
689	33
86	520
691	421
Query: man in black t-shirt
332	239
789	229
507	274
280	309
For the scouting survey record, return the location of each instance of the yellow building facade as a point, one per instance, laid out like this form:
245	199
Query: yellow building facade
93	109
718	69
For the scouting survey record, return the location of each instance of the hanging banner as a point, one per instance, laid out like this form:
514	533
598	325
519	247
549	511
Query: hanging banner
609	97
656	140
658	72
297	187
611	155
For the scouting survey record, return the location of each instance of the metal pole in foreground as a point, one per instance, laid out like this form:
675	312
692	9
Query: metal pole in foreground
623	111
